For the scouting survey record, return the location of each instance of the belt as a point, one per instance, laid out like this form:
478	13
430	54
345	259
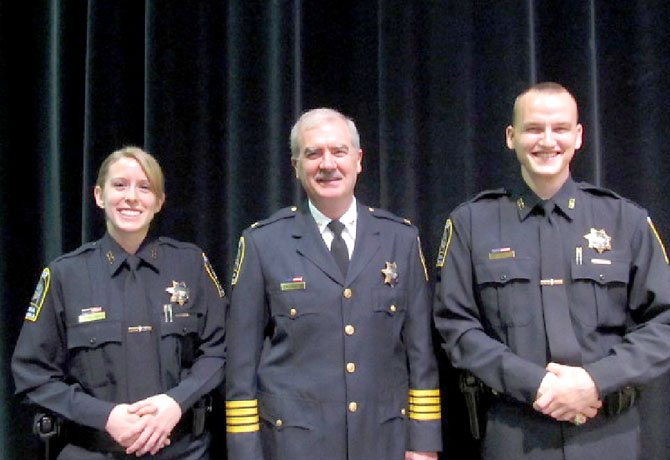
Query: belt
620	401
100	441
613	404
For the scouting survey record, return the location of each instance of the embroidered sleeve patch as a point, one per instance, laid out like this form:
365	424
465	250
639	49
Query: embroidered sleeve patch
239	260
37	300
212	275
444	243
658	237
422	258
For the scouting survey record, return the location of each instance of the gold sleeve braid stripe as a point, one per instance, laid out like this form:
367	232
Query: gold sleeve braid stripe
424	404
242	416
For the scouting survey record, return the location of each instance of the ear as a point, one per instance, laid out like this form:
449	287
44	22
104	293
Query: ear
97	193
359	166
160	203
509	137
578	139
294	165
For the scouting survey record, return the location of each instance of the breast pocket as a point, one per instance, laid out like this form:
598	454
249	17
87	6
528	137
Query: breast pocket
92	347
505	290
180	339
600	292
297	314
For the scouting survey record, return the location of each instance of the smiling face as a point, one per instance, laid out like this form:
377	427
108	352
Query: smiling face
545	136
328	165
129	200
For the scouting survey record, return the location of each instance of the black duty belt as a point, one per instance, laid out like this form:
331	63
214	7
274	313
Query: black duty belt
100	441
613	404
620	401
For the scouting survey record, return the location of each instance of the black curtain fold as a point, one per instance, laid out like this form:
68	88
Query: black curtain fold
212	88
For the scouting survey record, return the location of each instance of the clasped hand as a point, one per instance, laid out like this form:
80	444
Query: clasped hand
144	426
567	393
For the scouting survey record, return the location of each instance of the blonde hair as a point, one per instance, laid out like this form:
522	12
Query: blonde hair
147	162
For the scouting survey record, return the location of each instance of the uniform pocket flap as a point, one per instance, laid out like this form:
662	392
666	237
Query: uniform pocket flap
287	412
94	334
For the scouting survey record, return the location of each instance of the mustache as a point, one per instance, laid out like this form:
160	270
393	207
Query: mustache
322	175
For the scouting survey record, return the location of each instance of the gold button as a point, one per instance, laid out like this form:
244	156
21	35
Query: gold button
293	312
351	367
349	329
392	308
402	411
347	293
353	407
279	423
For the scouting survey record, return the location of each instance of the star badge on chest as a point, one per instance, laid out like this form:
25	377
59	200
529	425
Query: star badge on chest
390	272
599	240
179	291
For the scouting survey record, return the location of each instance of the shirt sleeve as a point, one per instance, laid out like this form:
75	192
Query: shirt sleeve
246	323
458	320
39	362
424	428
208	368
644	352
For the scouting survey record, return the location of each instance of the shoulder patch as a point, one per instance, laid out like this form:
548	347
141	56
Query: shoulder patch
239	260
658	238
37	300
444	243
422	258
212	275
283	213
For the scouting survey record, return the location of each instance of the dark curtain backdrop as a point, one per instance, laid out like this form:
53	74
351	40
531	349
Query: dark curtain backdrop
213	87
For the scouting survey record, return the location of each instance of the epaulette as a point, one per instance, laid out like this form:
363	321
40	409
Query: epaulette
485	195
177	244
493	193
594	190
80	250
384	214
283	213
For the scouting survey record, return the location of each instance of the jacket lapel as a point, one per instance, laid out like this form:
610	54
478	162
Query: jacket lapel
310	245
367	243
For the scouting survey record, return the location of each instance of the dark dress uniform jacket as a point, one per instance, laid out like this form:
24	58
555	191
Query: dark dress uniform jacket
489	311
75	354
326	361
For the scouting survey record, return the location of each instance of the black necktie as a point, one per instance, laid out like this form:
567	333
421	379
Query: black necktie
563	346
338	247
141	352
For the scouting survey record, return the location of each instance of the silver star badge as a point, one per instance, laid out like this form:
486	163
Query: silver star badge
390	272
179	291
599	240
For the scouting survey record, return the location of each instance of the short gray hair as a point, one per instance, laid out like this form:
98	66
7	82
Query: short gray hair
315	117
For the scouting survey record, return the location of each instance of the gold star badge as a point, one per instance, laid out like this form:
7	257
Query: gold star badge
179	292
390	273
599	240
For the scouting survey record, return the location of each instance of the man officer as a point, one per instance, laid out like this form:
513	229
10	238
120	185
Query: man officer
555	294
330	350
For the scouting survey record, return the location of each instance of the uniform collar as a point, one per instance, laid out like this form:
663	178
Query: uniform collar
348	218
115	256
526	200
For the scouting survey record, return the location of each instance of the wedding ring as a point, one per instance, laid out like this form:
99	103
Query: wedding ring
579	419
